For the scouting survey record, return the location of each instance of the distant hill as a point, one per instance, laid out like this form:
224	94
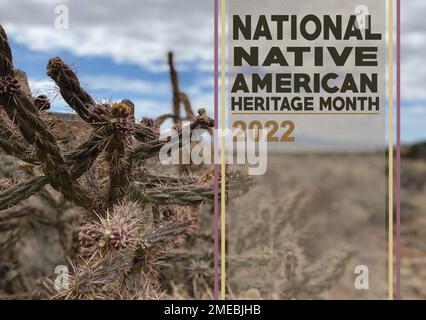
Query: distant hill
415	151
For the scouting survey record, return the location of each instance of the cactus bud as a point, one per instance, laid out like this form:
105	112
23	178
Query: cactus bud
9	85
42	102
149	122
119	237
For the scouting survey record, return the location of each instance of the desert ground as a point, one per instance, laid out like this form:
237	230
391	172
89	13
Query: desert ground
314	218
299	233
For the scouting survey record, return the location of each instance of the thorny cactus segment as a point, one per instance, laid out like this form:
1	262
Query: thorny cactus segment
98	115
118	117
119	248
11	143
175	85
131	105
151	148
83	157
164	235
120	166
99	278
204	120
185	194
144	132
187	105
152	180
148	122
6	66
117	156
22	191
32	127
72	92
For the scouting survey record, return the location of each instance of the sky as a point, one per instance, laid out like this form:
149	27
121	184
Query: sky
119	50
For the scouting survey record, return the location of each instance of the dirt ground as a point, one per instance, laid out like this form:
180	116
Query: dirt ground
337	206
305	226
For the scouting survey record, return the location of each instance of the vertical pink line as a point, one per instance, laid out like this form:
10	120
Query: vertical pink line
216	156
398	149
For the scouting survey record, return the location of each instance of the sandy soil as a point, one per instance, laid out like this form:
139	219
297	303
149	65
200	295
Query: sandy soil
341	209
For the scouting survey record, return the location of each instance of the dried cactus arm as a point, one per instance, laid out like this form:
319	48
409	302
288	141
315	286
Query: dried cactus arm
98	279
72	92
164	236
178	196
9	143
15	213
151	148
82	158
153	180
160	120
175	88
20	108
10	237
21	191
144	133
187	105
26	116
146	150
6	66
182	195
119	167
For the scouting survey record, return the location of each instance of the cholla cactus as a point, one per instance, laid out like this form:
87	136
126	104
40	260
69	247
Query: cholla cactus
121	235
273	242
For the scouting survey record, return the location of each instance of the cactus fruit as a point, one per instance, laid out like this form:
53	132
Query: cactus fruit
42	102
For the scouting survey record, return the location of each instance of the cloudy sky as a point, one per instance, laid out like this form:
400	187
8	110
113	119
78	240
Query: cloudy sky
119	49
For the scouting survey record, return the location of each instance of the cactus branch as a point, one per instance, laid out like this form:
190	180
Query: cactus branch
151	148
145	133
6	66
119	167
82	158
11	144
20	108
164	235
21	191
175	87
72	92
187	105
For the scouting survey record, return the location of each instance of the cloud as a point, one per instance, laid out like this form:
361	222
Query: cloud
153	107
122	84
413	48
138	32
